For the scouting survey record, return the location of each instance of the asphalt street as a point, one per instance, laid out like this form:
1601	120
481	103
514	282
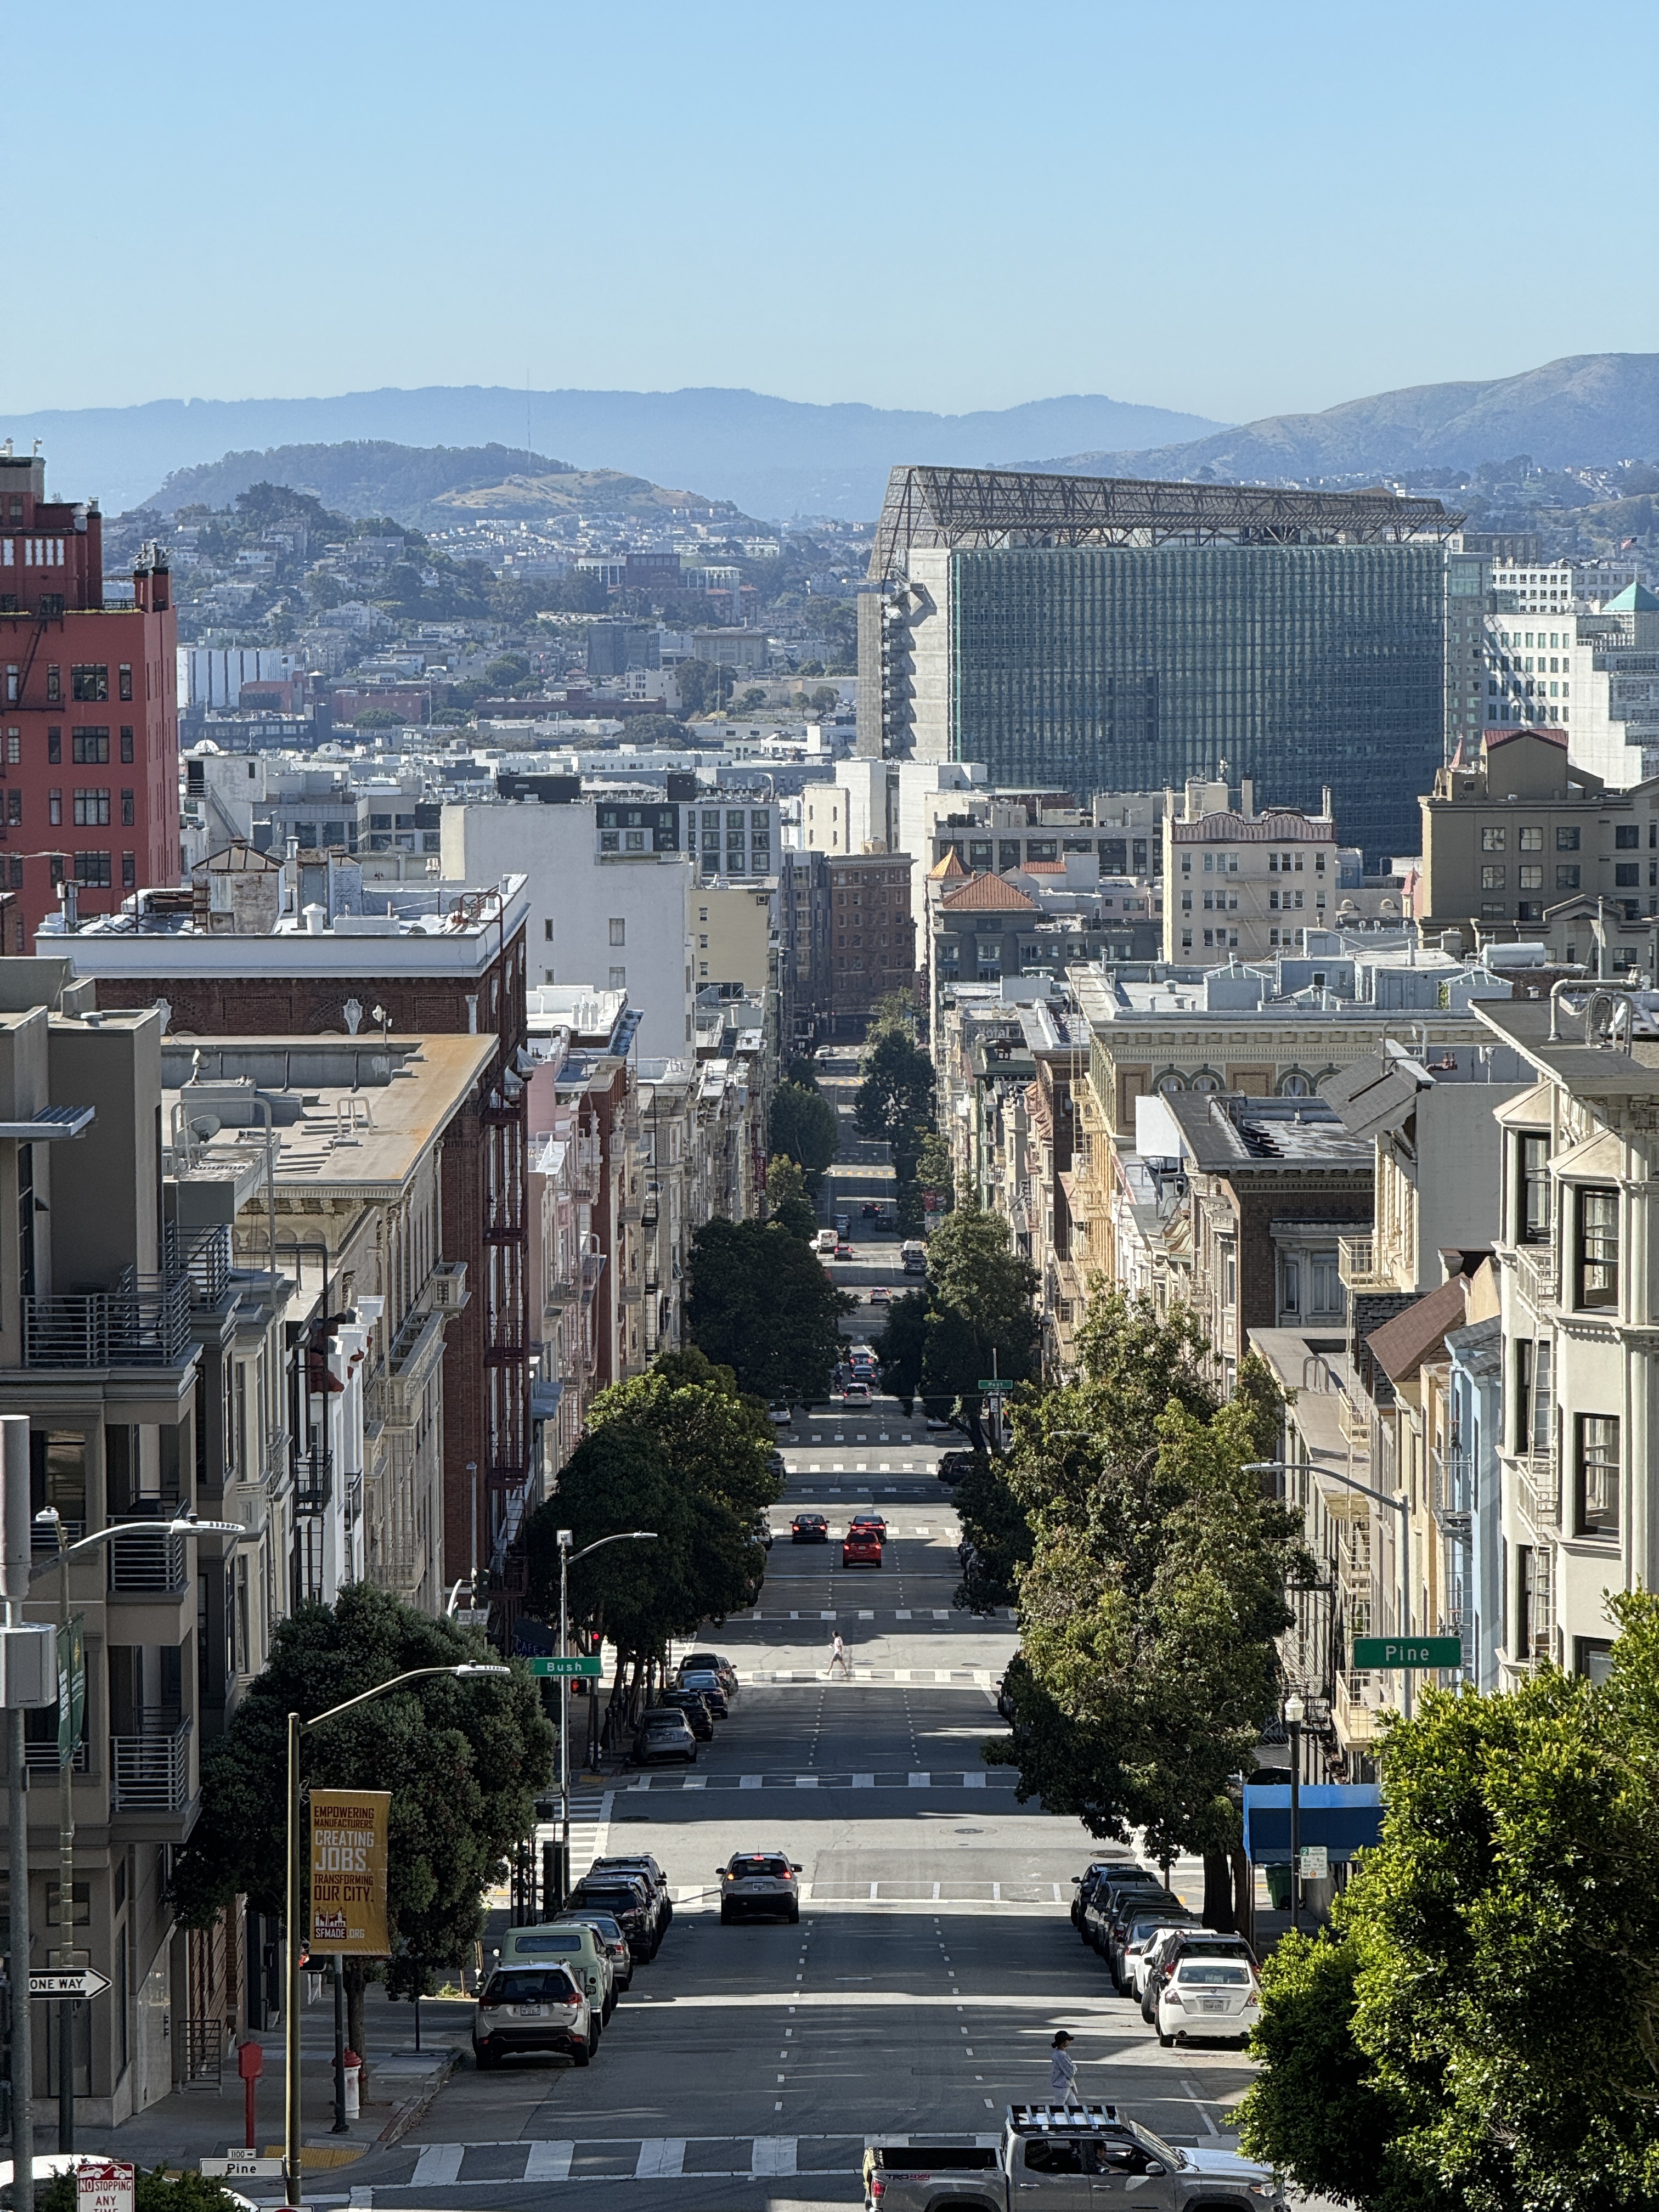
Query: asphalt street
935	1957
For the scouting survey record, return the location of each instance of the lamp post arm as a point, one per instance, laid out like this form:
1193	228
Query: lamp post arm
414	1674
626	1536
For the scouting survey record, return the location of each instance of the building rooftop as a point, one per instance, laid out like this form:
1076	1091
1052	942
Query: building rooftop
1223	1133
987	894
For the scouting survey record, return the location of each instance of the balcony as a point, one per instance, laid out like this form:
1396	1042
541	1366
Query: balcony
1537	1276
150	1773
1359	1265
631	1205
1361	1702
395	1566
148	1562
445	1289
203	1258
592	1268
312	1481
140	1323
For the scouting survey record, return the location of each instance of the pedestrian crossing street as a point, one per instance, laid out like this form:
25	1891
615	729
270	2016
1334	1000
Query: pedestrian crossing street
996	1777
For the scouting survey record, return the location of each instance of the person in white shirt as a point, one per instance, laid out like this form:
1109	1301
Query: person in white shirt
838	1657
1063	2070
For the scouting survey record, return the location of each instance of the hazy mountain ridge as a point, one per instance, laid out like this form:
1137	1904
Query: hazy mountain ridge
770	456
1585	410
424	487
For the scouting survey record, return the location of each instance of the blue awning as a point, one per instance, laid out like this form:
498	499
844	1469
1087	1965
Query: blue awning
1345	1817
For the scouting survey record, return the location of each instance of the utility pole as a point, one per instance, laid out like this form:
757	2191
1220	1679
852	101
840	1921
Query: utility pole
14	1571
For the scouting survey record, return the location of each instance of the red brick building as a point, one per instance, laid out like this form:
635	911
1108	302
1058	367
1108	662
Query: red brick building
872	952
89	737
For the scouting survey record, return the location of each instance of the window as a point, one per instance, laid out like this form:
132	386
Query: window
93	870
1530	840
1492	841
1596	1256
1566	841
14	748
1492	878
89	680
1531	1161
126	681
1566	878
128	815
633	840
14	808
92	809
618	979
54	747
89	748
1534	1415
618	929
54	807
129	871
1627	836
1530	877
610	842
547	929
1596	1486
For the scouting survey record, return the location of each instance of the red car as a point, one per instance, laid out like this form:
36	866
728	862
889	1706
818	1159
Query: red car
860	1548
868	1524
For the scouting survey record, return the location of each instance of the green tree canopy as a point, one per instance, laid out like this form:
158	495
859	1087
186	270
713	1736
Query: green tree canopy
462	1760
786	1202
703	689
803	1124
1481	2027
758	1301
895	1101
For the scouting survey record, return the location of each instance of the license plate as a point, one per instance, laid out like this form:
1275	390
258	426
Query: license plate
1212	2004
529	2012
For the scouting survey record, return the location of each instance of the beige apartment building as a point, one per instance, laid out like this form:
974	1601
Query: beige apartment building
1243	883
1523	830
734	936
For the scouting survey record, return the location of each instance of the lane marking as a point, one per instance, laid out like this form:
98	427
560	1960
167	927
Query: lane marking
549	2161
438	2165
661	2158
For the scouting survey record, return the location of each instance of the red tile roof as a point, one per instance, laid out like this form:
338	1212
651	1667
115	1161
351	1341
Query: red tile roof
982	894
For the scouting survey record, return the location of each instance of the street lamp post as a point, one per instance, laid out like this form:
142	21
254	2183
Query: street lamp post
292	2175
1295	1710
567	1559
65	1955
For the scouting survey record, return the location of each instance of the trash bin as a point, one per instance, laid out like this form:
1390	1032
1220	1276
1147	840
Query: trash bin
1279	1887
354	2066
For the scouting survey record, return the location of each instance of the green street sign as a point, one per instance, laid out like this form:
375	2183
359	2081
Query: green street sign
1402	1651
578	1664
71	1687
993	1388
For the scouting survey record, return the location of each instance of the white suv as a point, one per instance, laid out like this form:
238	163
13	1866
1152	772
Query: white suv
759	1885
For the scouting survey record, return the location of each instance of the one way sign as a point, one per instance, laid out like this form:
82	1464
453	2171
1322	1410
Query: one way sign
73	1982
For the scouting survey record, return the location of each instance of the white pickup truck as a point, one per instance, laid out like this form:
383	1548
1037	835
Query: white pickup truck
1062	2158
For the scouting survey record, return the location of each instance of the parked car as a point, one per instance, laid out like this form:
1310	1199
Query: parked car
761	1529
1081	1883
1217	1998
640	1862
702	1662
631	1902
1135	1937
664	1734
1179	1943
780	1415
759	1885
524	2008
931	1422
1106	1896
809	1528
860	1550
696	1709
611	1933
576	1948
871	1522
1109	1924
953	1465
709	1687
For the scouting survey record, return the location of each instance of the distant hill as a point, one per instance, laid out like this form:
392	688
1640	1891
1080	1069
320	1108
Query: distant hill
771	457
1586	409
427	487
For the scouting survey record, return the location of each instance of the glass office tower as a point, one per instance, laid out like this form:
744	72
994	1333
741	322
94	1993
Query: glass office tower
1128	667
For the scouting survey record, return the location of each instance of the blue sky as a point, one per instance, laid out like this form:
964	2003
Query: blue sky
1237	210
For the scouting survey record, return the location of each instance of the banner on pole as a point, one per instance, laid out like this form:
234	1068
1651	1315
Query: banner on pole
349	1871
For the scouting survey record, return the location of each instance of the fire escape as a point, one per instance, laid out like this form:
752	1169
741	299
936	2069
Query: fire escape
506	1338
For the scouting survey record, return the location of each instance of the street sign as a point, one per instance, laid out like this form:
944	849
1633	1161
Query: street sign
993	1388
105	2186
577	1665
1316	1862
1402	1651
241	2166
70	1982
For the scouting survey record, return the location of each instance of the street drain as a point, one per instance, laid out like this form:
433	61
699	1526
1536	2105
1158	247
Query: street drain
961	1832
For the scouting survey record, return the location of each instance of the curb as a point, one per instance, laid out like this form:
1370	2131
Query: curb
414	2109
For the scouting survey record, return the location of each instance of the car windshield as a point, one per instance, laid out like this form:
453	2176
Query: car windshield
606	1926
538	1986
611	1900
758	1865
1171	2157
1213	1977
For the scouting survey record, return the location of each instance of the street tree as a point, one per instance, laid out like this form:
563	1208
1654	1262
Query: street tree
1479	2028
786	1202
895	1100
759	1301
803	1124
463	1760
1154	1591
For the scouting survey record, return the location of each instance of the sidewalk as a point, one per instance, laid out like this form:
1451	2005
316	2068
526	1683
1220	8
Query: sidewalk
194	2123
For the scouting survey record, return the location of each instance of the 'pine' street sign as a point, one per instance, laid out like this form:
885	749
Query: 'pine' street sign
1403	1651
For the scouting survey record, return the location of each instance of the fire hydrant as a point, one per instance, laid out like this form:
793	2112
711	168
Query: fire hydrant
353	2076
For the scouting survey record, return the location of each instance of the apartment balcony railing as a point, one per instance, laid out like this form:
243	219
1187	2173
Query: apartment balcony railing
41	1758
150	1773
592	1268
1537	1276
1357	1264
1361	1702
148	1562
43	1538
394	1567
140	1323
204	1256
648	1211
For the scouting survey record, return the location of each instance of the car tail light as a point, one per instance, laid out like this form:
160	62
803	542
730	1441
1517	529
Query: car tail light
877	2188
488	2004
1172	1996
